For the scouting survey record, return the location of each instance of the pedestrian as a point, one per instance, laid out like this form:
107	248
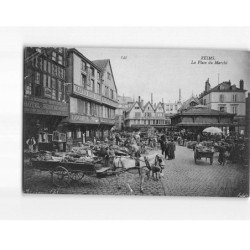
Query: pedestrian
31	143
171	150
198	138
222	151
111	158
162	142
137	158
166	149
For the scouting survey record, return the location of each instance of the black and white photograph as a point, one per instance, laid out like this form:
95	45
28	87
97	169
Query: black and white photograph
136	121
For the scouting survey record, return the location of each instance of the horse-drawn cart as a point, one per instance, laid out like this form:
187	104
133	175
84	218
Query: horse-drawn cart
62	173
200	152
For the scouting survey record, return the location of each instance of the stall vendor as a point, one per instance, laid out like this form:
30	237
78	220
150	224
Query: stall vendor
31	142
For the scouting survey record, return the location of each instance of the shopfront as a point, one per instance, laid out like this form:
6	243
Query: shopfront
42	120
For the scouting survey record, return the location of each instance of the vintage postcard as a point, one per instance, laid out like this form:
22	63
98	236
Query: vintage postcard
136	121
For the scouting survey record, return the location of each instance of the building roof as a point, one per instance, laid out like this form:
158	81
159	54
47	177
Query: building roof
223	87
73	50
202	110
147	105
160	104
130	108
101	63
186	104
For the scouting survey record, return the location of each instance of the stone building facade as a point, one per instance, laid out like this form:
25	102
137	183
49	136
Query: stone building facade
227	97
45	103
92	95
138	116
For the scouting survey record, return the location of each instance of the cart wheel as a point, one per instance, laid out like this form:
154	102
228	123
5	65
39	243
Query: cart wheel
61	177
211	160
76	176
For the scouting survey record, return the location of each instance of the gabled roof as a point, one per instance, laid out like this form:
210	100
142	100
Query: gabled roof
185	104
159	104
147	105
102	64
130	108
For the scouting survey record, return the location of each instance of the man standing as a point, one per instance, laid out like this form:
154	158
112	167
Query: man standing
171	150
163	144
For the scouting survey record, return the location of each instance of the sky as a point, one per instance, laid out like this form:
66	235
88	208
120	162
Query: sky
140	72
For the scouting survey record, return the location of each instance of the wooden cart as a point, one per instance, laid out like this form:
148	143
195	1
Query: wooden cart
198	154
62	173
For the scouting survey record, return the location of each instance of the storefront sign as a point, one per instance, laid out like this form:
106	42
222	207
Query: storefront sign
107	121
84	119
33	105
79	90
109	102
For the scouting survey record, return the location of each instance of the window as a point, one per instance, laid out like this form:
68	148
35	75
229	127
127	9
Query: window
234	98
221	98
59	84
40	63
84	80
37	78
44	80
99	91
60	59
98	76
92	71
88	108
222	109
53	94
112	94
36	62
49	67
54	56
109	76
204	101
49	82
45	65
235	110
53	85
54	70
106	91
27	88
84	66
92	85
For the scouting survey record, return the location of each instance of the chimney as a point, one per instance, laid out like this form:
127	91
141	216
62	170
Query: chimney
139	99
179	95
152	98
162	100
207	85
241	85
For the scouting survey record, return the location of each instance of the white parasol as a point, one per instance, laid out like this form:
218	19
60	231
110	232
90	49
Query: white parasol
213	130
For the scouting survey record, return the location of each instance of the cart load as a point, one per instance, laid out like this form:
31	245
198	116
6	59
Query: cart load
203	150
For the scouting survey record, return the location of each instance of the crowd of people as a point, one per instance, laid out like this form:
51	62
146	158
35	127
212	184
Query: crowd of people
233	147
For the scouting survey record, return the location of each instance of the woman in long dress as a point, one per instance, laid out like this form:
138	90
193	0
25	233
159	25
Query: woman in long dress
171	150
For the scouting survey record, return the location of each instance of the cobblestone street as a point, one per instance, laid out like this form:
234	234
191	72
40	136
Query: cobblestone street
182	177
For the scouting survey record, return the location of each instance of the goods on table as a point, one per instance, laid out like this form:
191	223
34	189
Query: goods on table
191	144
202	148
